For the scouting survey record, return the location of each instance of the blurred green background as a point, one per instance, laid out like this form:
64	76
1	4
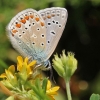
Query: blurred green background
81	35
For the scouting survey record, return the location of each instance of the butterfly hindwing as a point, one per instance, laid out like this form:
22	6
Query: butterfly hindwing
55	19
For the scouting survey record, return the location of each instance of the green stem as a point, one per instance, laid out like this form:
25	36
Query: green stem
68	89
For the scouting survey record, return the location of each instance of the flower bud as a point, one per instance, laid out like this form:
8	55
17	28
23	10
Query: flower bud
58	66
65	65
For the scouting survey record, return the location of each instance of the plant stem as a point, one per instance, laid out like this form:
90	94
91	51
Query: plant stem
68	90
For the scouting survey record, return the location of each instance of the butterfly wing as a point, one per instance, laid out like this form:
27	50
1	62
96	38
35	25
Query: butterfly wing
55	19
27	34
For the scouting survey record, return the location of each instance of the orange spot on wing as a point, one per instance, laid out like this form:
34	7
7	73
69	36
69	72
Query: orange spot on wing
14	31
23	21
37	19
31	16
18	25
42	24
26	17
48	16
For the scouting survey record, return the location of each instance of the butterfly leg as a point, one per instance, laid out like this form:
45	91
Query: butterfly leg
51	70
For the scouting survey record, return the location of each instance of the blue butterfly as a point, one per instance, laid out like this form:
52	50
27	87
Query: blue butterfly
35	34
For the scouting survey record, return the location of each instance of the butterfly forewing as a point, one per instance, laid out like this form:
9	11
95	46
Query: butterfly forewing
55	19
27	33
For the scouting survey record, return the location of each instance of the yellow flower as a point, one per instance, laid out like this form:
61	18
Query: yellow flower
24	63
24	67
9	75
21	81
51	91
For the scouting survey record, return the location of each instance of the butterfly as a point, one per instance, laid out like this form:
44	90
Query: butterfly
35	34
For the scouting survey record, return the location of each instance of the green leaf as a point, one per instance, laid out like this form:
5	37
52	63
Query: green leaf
44	85
95	97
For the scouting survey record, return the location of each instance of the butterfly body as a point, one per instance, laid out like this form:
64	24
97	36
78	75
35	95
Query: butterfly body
35	34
